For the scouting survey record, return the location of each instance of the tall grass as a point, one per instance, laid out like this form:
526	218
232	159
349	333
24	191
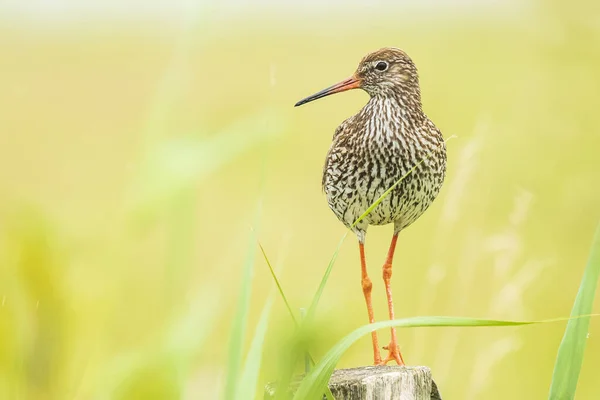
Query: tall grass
570	353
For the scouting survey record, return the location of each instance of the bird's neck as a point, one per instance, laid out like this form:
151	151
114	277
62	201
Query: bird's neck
399	108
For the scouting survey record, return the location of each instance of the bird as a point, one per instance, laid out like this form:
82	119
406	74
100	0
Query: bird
390	141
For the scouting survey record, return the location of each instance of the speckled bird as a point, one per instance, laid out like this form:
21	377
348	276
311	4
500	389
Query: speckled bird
390	141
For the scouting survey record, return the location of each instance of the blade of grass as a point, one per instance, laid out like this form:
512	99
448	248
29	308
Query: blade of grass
315	301
253	359
308	361
240	321
317	380
279	288
570	353
287	374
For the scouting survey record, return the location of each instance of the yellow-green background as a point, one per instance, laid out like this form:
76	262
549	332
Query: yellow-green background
136	154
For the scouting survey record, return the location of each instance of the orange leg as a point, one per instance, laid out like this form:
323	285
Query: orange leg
367	286
392	348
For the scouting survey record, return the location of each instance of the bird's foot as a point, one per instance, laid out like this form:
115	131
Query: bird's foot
393	354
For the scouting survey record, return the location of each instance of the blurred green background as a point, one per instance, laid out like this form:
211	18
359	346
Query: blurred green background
140	145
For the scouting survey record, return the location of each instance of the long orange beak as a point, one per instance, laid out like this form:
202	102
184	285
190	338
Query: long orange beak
347	84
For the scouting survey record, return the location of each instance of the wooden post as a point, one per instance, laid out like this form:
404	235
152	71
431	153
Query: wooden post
377	383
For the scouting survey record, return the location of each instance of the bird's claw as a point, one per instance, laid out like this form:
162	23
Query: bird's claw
393	354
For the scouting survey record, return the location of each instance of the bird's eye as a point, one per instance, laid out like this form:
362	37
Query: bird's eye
381	66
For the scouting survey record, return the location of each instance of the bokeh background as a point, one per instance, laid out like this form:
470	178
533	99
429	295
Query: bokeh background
143	142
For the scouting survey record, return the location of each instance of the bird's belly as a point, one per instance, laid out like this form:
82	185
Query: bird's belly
351	194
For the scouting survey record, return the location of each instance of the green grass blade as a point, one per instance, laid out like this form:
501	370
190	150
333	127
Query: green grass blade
240	321
251	371
570	353
249	379
279	288
315	301
308	360
287	375
317	380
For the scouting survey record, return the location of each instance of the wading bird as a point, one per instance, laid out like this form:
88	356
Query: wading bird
390	138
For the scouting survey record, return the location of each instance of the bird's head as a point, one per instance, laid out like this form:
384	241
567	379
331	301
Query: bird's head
385	71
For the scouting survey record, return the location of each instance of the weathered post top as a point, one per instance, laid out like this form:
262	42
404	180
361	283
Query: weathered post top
378	383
